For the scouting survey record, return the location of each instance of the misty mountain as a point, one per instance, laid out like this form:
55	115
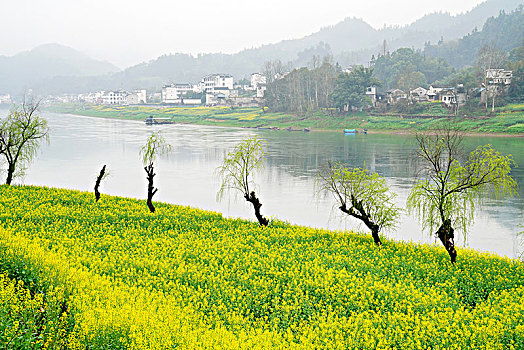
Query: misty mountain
505	32
349	41
431	28
26	70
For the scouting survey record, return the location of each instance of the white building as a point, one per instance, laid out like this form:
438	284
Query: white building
419	94
499	76
132	99
141	95
212	81
448	97
261	90
257	79
376	94
173	92
91	97
433	93
114	97
218	95
5	98
258	83
136	97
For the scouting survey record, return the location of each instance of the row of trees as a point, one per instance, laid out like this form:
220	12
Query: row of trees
451	185
22	132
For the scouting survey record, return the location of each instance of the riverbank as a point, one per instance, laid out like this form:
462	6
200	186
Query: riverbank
189	278
508	120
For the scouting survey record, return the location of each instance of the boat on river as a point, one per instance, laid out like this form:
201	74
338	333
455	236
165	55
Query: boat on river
350	131
154	120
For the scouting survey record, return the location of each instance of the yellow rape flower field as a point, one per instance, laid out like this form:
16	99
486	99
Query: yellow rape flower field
79	274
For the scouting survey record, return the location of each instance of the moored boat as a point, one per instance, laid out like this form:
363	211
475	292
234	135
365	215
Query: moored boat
153	120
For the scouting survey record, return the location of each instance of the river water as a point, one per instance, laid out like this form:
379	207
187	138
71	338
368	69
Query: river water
79	146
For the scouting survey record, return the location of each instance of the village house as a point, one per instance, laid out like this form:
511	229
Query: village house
172	93
258	83
120	97
395	95
217	87
497	81
5	99
433	93
212	81
219	95
499	76
113	97
376	94
419	95
136	97
92	97
454	96
257	79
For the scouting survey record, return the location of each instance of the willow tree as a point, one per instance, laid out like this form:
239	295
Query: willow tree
360	194
21	134
237	171
154	147
453	184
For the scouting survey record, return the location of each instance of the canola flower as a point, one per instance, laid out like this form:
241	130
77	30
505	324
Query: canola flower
190	279
31	320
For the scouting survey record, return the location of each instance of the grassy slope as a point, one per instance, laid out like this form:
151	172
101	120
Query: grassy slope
507	120
190	278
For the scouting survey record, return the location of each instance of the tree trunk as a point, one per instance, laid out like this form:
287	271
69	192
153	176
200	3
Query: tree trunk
374	233
97	183
10	173
446	236
364	217
150	189
256	205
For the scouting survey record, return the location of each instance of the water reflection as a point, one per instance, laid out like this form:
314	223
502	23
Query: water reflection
80	146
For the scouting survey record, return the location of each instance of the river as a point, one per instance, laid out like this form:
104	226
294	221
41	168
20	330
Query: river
79	146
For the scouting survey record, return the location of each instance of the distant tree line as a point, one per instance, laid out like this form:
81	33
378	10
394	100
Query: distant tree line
408	68
326	85
301	90
464	62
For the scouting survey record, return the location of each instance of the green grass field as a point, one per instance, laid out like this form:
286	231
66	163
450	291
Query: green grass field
507	120
112	275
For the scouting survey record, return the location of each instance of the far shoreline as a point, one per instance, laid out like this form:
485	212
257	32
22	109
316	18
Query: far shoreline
291	124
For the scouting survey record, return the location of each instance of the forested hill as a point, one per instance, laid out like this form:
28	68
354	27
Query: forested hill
505	32
27	69
351	41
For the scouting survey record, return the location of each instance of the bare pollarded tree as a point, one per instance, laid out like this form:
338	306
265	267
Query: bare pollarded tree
101	176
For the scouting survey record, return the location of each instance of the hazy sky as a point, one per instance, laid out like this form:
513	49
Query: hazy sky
127	32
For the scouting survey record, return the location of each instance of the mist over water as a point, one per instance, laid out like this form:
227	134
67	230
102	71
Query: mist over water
80	146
